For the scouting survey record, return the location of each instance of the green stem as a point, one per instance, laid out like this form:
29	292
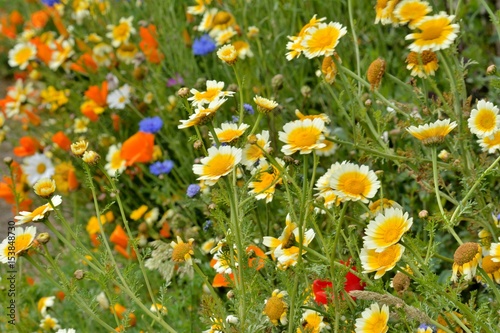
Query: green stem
240	93
355	43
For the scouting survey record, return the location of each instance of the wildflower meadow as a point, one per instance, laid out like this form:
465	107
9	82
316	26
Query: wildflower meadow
251	166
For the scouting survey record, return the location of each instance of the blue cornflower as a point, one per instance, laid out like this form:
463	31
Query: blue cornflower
150	125
248	108
193	190
160	168
50	3
235	119
207	225
424	328
203	45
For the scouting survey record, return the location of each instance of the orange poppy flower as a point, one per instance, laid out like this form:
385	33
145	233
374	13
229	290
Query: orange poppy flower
8	30
138	148
149	44
116	121
98	95
60	295
120	311
84	64
73	182
28	146
56	18
165	230
43	51
119	237
61	140
39	19
16	18
30	281
257	261
88	109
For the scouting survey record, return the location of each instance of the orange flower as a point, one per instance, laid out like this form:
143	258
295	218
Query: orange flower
30	281
7	29
257	260
120	311
16	18
60	295
98	95
119	237
56	18
89	110
72	180
116	121
28	146
84	64
165	230
39	19
61	140
32	117
43	51
220	280
149	44
138	148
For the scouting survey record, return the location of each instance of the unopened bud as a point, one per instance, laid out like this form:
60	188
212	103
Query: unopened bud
252	139
8	160
233	87
91	157
444	155
230	294
43	238
183	92
305	91
277	82
79	274
492	69
368	102
212	206
197	144
423	214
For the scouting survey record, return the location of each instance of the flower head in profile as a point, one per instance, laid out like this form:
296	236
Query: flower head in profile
303	136
275	308
436	33
285	248
329	68
44	303
381	262
253	151
45	187
373	319
23	240
115	163
352	182
384	10
311	322
21	54
182	252
219	162
484	120
229	132
49	323
490	144
386	229
265	178
422	64
466	259
433	133
322	39
411	12
202	115
212	93
378	206
38	213
120	34
264	105
79	148
295	45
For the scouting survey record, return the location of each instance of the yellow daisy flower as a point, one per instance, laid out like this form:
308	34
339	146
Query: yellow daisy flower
465	261
23	239
386	229
284	248
219	162
321	116
80	125
312	322
275	308
491	268
182	252
373	320
45	187
207	19
385	12
252	154
378	206
217	326
202	115
139	212
302	136
158	307
21	54
229	132
433	133
484	120
212	93
322	39
228	54
381	262
352	182
243	49
115	164
422	64
329	68
78	148
295	44
200	7
495	252
264	105
491	143
265	178
49	323
126	53
411	12
38	213
44	303
323	182
224	36
120	34
436	33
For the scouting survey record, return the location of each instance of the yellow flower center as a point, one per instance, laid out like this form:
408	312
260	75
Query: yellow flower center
21	243
228	135
180	252
121	32
303	136
219	165
221	18
376	323
392	230
466	253
486	120
324	38
493	141
264	183
23	55
274	308
253	153
387	257
354	183
41	168
490	266
433	29
210	94
116	160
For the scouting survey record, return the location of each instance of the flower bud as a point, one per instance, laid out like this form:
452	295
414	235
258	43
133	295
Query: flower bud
423	214
277	82
375	72
79	274
43	238
492	69
183	92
